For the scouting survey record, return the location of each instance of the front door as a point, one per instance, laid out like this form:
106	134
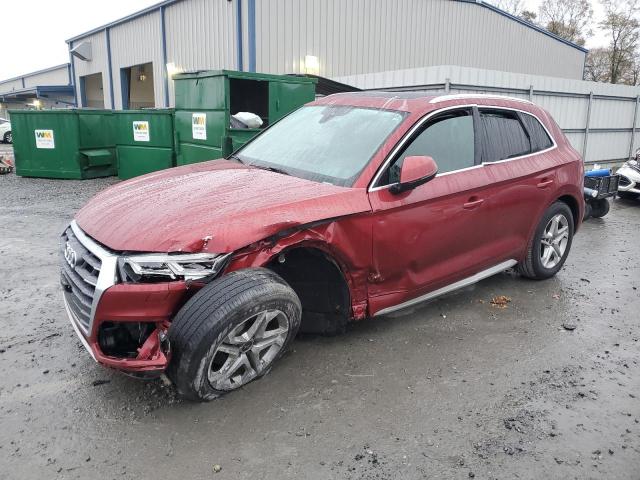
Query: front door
439	232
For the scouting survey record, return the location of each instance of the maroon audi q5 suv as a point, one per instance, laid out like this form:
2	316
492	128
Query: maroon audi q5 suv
353	206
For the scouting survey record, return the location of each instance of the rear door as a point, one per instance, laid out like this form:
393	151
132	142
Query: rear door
517	155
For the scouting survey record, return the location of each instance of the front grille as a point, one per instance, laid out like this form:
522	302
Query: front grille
79	277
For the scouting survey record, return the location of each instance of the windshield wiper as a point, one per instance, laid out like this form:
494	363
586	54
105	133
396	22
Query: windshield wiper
271	169
237	159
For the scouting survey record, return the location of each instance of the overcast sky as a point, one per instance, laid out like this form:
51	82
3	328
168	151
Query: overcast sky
34	31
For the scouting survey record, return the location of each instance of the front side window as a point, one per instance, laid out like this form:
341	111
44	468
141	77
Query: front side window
324	143
504	135
448	139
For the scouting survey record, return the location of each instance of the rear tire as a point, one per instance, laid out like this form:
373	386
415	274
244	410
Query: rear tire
600	208
550	245
232	332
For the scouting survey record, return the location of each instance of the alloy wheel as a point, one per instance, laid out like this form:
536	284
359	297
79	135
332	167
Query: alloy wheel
248	350
555	238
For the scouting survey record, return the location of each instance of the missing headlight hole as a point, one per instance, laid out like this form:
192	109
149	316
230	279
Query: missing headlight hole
122	340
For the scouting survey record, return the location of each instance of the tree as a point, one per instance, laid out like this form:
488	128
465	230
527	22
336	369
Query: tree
621	25
631	74
597	67
514	7
570	19
528	16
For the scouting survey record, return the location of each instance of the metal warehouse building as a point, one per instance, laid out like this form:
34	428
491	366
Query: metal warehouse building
48	88
129	63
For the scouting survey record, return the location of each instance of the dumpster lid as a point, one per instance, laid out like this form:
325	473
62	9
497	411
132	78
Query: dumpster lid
98	157
96	153
145	111
244	75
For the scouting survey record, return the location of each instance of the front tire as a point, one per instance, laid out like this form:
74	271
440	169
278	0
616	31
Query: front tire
8	137
550	245
232	332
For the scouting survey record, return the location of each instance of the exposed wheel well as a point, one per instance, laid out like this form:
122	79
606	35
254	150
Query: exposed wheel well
572	203
321	287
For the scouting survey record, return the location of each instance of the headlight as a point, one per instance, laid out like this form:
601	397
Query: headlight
154	267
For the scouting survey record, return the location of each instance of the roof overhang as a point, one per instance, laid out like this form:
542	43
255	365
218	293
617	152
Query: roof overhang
40	91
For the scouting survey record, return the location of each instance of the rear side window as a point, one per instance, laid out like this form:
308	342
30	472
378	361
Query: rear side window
539	137
503	134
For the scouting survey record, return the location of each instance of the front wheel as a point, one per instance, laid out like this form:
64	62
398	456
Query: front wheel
8	138
232	332
550	245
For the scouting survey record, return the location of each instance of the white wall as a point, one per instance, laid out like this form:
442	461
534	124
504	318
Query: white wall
359	36
135	43
52	76
97	64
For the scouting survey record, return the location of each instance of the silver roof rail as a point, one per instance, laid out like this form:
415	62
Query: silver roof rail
467	96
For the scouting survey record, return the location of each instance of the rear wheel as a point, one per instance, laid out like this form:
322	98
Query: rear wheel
550	245
8	138
232	332
600	208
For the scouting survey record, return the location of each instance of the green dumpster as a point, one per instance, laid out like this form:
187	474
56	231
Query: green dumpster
205	102
74	143
144	141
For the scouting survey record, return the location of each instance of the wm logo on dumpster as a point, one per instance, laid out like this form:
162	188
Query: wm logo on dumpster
44	139
141	131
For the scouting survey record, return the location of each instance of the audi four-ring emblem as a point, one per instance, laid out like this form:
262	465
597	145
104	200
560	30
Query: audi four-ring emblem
70	255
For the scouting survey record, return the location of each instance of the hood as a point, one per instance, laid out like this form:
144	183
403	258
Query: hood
216	206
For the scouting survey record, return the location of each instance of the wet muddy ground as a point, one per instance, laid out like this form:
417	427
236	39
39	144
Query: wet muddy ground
458	388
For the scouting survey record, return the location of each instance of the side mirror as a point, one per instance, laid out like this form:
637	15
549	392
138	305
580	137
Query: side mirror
415	171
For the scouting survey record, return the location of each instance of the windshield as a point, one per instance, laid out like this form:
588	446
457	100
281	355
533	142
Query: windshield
324	143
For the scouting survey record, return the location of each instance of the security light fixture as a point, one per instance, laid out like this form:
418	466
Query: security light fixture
311	65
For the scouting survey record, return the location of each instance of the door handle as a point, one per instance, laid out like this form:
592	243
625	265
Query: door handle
473	202
545	183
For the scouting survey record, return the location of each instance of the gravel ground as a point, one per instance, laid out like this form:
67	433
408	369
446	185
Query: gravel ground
457	388
6	149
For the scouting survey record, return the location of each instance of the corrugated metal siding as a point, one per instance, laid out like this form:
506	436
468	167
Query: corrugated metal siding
53	76
59	76
612	106
201	35
10	85
97	64
135	43
357	36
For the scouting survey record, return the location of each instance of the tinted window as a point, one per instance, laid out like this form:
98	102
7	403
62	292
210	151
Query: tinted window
449	139
539	137
504	136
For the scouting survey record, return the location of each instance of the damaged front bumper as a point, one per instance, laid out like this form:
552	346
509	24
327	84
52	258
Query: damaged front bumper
122	325
144	308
